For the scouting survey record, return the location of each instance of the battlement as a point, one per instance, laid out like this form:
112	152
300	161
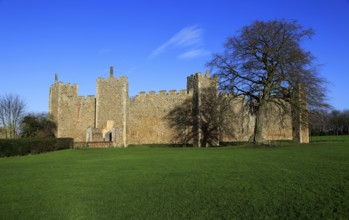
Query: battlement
198	75
66	85
197	81
112	78
163	93
70	86
60	88
87	98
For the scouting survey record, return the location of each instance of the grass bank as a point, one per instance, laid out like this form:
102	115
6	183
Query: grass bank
293	181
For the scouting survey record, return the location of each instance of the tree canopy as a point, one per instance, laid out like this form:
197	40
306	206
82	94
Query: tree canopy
266	63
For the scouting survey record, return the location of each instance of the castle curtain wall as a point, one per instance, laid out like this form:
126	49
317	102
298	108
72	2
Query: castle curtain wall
146	117
141	120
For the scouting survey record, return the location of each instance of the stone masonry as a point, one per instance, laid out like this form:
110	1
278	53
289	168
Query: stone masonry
112	116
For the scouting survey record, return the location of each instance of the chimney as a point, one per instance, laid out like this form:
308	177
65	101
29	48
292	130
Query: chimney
111	71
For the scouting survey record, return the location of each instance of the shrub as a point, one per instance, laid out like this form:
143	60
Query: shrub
24	146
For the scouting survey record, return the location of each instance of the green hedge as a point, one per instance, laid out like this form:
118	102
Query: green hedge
24	146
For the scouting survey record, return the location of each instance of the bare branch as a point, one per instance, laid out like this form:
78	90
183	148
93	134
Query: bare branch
266	63
12	110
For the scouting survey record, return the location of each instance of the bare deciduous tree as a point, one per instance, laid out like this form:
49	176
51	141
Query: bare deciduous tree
319	121
345	121
334	122
12	109
266	63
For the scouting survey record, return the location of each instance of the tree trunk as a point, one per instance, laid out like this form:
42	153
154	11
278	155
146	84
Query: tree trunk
204	141
259	126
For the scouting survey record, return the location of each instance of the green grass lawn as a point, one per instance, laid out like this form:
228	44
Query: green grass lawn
331	138
288	182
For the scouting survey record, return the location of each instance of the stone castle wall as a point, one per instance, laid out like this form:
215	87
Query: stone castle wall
278	122
241	122
146	122
114	117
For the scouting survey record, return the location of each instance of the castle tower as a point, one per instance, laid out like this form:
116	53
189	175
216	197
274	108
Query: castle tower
54	102
300	129
63	97
197	83
72	114
111	107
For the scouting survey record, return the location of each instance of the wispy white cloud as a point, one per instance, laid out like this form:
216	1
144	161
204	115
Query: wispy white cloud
191	54
104	51
186	37
129	71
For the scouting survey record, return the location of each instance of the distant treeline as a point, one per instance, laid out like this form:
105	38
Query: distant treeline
335	122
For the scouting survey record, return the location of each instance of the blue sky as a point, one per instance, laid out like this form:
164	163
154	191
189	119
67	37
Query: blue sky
155	43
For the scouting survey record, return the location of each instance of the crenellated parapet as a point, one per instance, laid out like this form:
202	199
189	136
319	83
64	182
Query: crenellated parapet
89	98
121	79
198	81
65	88
163	94
69	91
198	75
